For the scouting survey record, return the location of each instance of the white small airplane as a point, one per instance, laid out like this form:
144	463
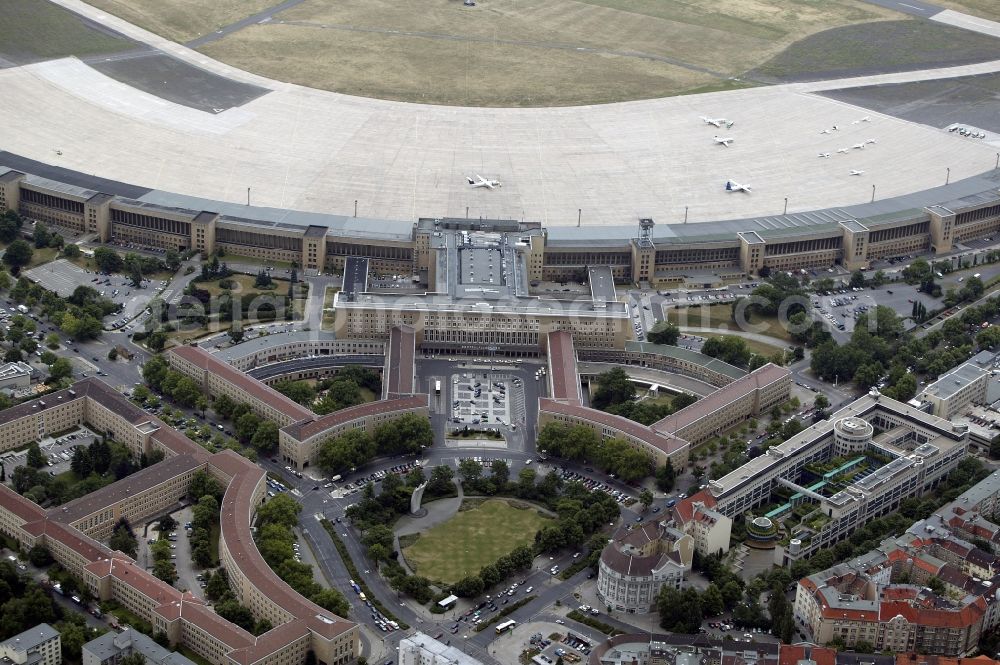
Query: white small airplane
826	131
843	151
867	118
870	141
859	146
732	186
824	155
855	172
718	122
480	181
724	140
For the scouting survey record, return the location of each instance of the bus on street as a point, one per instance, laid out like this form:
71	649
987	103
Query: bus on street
505	626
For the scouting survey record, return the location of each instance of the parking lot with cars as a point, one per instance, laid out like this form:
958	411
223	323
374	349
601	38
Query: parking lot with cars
623	497
477	400
63	277
352	484
58	451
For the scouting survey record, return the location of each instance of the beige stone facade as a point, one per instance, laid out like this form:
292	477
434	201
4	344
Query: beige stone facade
556	255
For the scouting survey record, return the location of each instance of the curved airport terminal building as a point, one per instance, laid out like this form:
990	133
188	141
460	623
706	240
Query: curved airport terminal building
933	220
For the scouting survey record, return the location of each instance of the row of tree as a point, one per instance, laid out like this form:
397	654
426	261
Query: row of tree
110	461
615	393
79	316
405	435
206	492
275	540
580	443
24	604
334	393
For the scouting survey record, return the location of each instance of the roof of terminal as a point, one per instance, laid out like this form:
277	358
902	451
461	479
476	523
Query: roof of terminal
264	342
975	190
205	360
686	355
602	283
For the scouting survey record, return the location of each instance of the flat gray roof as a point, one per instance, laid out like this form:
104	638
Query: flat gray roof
602	283
234	213
513	306
265	342
32	637
948	384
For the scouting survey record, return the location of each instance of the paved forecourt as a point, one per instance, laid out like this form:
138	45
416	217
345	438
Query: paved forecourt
319	151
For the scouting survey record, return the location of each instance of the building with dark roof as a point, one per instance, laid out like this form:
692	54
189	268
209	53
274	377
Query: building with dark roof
639	562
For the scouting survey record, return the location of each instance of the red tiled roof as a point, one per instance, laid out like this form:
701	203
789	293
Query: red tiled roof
400	359
128	486
237	508
563	377
927	566
849	614
307	428
685	511
791	654
26	509
665	442
925	659
965	617
759	378
206	361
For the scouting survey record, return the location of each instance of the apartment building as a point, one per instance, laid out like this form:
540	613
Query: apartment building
135	498
737	400
880	599
300	625
665	358
636	564
15	375
299	443
960	387
708	528
110	648
40	645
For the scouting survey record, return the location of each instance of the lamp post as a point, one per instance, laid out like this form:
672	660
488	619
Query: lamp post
355	207
873	193
947	177
685	214
785	211
248	196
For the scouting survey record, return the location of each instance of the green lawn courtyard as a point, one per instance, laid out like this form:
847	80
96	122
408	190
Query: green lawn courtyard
473	538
